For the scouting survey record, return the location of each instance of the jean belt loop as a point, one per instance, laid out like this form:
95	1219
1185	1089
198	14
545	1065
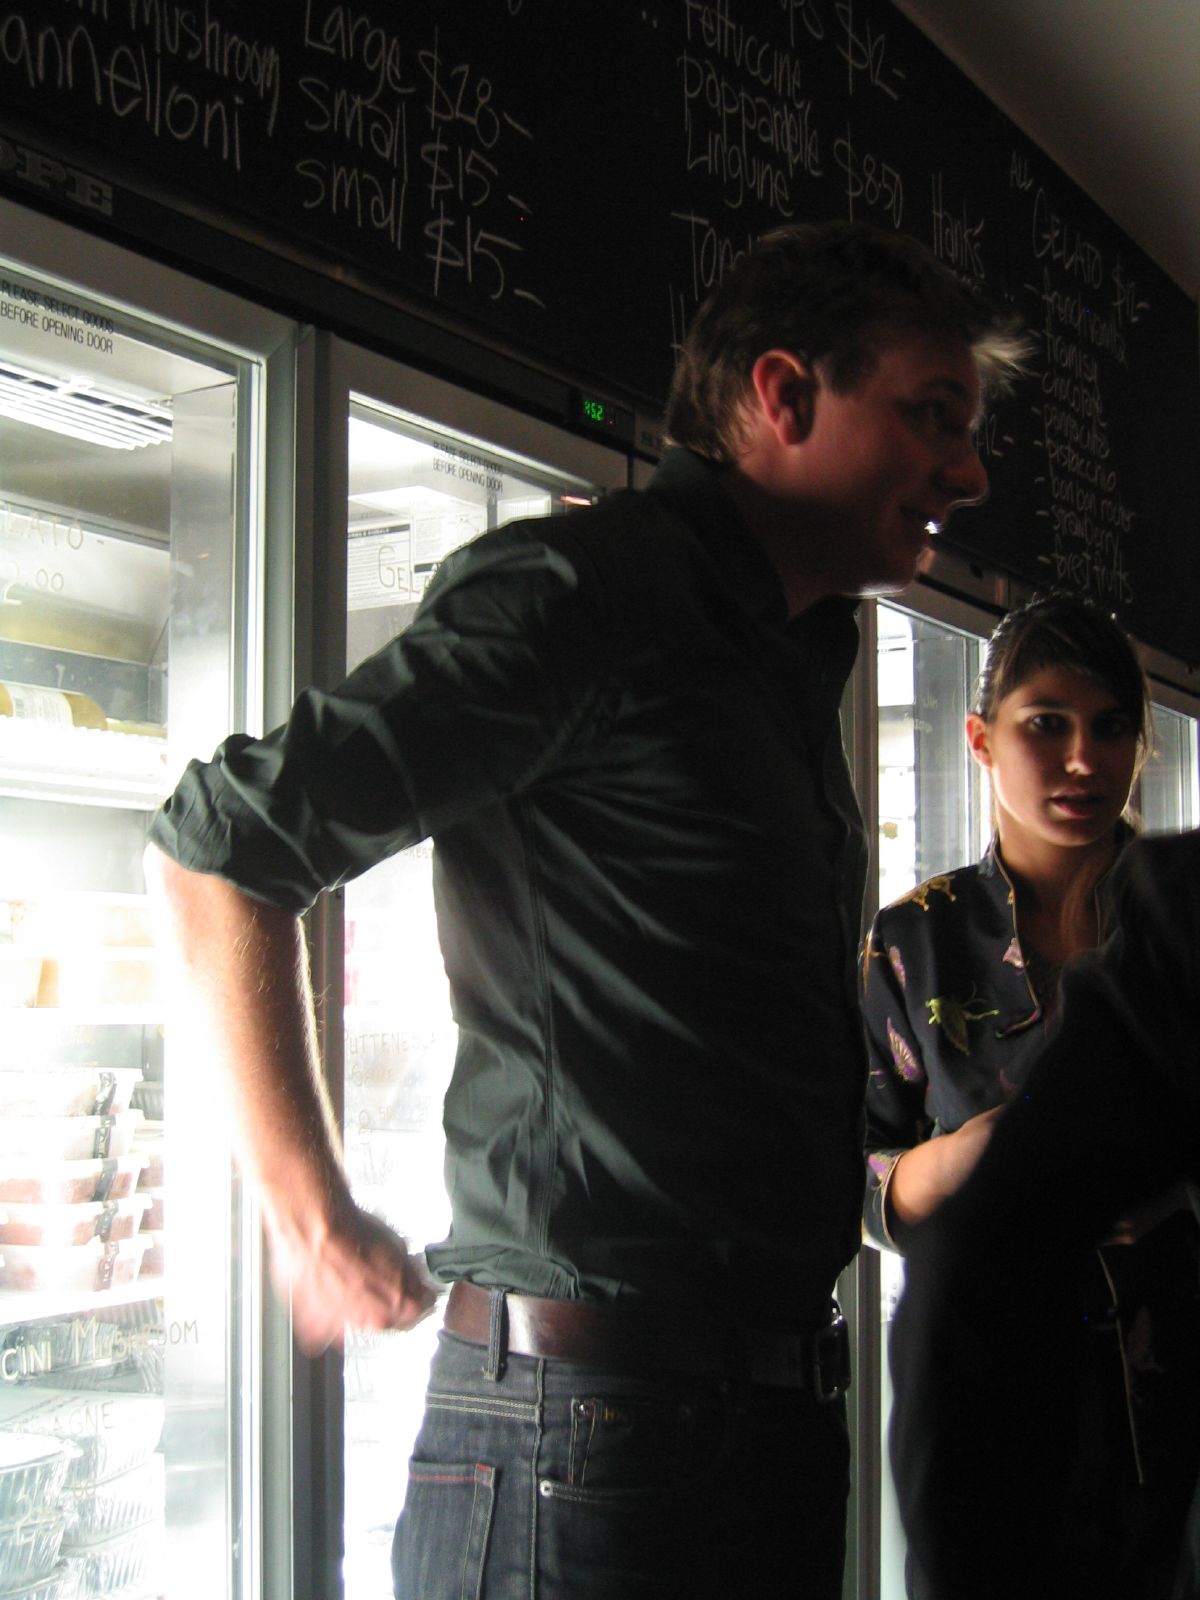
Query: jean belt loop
493	1367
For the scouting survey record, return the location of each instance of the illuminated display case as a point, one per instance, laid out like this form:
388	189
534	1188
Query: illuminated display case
126	462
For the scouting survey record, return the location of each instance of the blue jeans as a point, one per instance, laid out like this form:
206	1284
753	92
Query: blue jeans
563	1480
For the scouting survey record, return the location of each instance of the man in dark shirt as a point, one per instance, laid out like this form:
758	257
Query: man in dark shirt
620	730
984	1335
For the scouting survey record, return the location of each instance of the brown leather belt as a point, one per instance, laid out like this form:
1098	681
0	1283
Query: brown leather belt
636	1338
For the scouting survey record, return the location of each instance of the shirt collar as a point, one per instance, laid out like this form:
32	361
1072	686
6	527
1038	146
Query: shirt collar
692	486
992	865
827	631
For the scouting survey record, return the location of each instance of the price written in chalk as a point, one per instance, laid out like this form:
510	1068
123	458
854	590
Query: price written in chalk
461	161
872	184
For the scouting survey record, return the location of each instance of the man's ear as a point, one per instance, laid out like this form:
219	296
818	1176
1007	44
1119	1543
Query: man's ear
977	739
785	389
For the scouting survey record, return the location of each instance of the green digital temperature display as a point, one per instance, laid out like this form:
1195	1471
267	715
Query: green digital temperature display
593	412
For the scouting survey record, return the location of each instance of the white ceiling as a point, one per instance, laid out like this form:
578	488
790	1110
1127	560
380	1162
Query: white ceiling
1110	89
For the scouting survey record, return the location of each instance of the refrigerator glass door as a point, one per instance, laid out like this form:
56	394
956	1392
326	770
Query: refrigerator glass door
416	492
124	463
932	817
1169	787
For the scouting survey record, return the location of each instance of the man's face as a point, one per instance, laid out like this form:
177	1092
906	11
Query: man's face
888	459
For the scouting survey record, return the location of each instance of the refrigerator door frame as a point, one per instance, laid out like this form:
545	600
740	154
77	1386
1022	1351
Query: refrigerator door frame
860	1288
331	373
189	308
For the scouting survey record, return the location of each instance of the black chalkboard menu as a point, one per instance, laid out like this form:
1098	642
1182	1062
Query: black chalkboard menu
565	179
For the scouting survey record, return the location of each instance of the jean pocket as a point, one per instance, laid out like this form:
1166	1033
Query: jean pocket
638	1445
597	1543
441	1539
622	1479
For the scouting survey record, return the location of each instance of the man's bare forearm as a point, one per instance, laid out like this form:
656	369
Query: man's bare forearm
242	992
242	985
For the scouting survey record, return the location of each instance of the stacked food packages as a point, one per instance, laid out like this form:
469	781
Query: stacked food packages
81	1494
82	1481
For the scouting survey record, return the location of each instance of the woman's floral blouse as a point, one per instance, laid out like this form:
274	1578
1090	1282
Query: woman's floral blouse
951	1017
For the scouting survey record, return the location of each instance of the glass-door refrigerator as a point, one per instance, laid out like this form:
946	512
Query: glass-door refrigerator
130	431
427	467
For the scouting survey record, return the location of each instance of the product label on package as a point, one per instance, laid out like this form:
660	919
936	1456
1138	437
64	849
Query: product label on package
40	705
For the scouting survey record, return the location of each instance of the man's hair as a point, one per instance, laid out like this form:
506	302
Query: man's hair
837	295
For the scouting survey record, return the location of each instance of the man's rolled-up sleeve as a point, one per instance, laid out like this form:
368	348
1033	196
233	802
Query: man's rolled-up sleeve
492	681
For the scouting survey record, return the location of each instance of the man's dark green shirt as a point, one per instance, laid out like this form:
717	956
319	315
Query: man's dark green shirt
649	866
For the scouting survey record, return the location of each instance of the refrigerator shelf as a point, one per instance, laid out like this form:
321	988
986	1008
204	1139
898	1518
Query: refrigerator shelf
80	789
37	1306
88	766
83	1016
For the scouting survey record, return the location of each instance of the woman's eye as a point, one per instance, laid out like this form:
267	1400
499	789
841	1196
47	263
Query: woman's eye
1047	722
1116	725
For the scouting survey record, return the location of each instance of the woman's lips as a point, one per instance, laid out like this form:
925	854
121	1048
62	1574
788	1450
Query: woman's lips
1077	805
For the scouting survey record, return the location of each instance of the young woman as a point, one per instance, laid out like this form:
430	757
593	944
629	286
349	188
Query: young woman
960	986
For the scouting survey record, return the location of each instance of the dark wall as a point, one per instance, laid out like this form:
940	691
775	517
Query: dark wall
560	181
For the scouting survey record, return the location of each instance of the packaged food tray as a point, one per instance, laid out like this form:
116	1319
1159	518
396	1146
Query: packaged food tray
67	1138
73	1224
28	1182
95	1265
32	1471
61	1583
66	1091
112	1433
115	1506
29	1548
132	1561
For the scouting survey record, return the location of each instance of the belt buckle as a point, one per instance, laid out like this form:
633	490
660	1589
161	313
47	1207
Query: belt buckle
831	1360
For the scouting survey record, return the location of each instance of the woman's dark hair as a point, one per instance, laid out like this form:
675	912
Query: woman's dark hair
837	294
1057	629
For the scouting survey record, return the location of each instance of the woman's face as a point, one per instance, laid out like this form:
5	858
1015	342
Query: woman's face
1061	753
